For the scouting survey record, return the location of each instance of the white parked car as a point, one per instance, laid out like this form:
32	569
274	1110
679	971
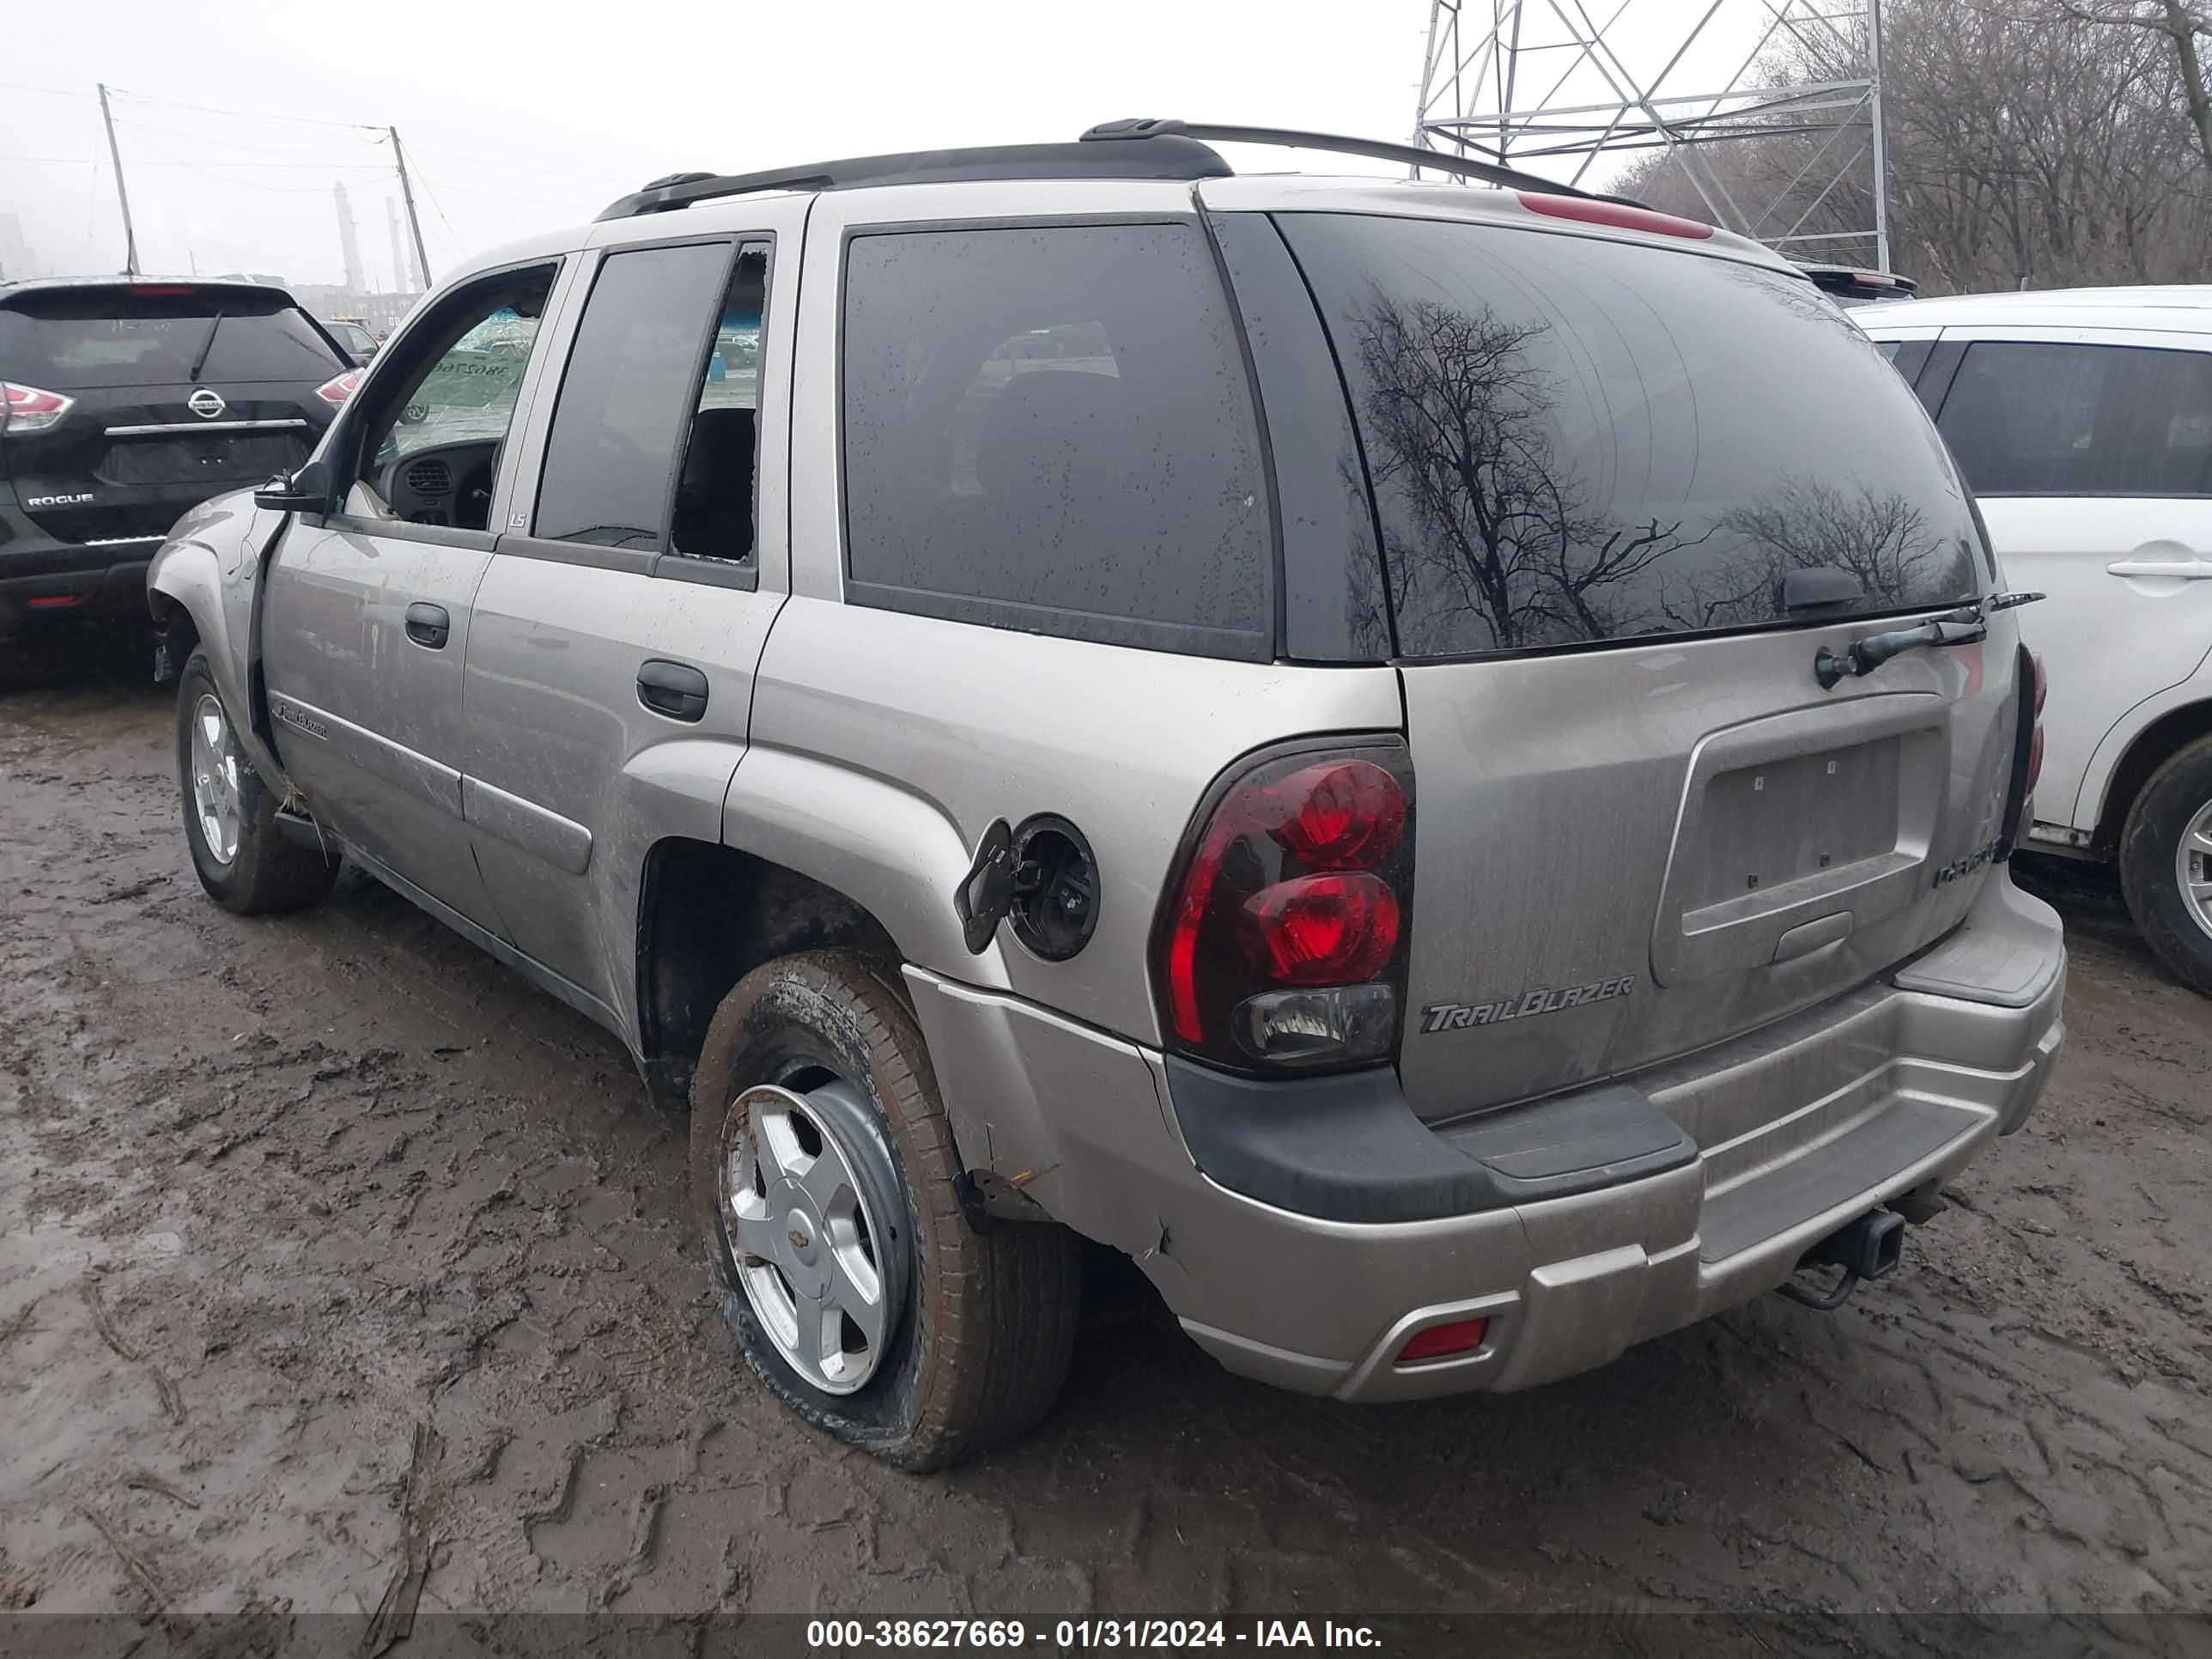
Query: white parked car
2082	419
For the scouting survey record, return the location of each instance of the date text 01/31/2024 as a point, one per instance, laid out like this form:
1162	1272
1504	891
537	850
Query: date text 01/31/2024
835	1633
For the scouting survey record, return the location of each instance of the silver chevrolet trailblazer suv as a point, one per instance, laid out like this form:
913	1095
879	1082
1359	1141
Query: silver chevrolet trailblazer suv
1433	765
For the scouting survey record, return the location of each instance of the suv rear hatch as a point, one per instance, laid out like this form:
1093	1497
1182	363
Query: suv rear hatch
174	392
1611	479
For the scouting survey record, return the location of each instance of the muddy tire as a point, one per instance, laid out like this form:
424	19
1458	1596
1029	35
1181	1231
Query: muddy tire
976	1323
241	857
2165	845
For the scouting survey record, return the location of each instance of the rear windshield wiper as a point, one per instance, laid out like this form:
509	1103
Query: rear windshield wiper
206	346
1961	627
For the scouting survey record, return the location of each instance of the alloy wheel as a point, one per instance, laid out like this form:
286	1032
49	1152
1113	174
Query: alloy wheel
217	800
803	1193
2192	868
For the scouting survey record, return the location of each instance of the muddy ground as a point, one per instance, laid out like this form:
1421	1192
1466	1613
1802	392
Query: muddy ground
337	1259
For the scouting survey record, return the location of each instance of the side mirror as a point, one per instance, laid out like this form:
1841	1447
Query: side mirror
307	491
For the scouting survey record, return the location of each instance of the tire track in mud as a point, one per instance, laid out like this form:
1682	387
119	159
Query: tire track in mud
280	1197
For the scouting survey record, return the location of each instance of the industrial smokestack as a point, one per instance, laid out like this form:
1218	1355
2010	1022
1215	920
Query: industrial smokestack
349	243
399	283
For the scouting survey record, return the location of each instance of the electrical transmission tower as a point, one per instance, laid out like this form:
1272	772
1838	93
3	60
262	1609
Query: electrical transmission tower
1571	82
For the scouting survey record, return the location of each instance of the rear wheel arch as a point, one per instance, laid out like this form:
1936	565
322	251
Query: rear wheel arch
708	914
2164	863
2152	747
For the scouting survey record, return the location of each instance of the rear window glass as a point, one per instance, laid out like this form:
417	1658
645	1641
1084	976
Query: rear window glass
1574	440
1051	429
66	341
2081	420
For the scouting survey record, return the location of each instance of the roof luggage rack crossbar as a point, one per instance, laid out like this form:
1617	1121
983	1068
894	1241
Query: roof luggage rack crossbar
1490	173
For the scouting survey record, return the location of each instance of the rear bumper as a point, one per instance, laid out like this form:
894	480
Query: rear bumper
46	583
1573	1241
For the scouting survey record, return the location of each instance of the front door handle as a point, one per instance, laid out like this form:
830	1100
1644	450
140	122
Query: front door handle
2191	570
429	625
674	689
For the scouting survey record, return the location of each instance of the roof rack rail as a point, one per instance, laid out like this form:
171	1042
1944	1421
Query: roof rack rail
1490	173
1174	157
1163	149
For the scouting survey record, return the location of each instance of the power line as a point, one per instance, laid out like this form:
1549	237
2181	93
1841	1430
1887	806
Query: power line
520	167
227	143
245	114
177	162
203	169
478	189
452	236
51	92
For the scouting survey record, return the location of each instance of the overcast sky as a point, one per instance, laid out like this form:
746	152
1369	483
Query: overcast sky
521	115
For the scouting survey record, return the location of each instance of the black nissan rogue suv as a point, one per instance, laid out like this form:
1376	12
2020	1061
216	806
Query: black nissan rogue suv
128	400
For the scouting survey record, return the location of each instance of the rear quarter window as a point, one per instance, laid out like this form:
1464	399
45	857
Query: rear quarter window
2026	418
1576	441
1050	429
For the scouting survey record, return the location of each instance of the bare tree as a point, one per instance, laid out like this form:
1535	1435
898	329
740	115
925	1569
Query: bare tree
2030	145
2181	26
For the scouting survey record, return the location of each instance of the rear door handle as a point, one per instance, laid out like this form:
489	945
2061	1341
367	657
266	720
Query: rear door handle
674	689
2187	570
429	625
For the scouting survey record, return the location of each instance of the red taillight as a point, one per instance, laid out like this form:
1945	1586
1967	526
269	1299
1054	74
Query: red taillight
1348	814
1589	210
2035	742
2027	748
335	392
30	410
1283	941
162	290
1461	1336
1321	930
53	601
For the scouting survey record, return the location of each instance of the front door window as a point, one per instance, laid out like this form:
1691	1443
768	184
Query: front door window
435	438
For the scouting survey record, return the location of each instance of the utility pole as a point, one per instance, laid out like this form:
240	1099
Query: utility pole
1880	141
129	236
414	224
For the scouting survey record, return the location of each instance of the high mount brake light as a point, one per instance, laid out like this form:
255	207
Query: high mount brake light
336	391
1590	210
1282	940
30	410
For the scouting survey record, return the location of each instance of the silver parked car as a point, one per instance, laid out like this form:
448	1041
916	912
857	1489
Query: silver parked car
1433	765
